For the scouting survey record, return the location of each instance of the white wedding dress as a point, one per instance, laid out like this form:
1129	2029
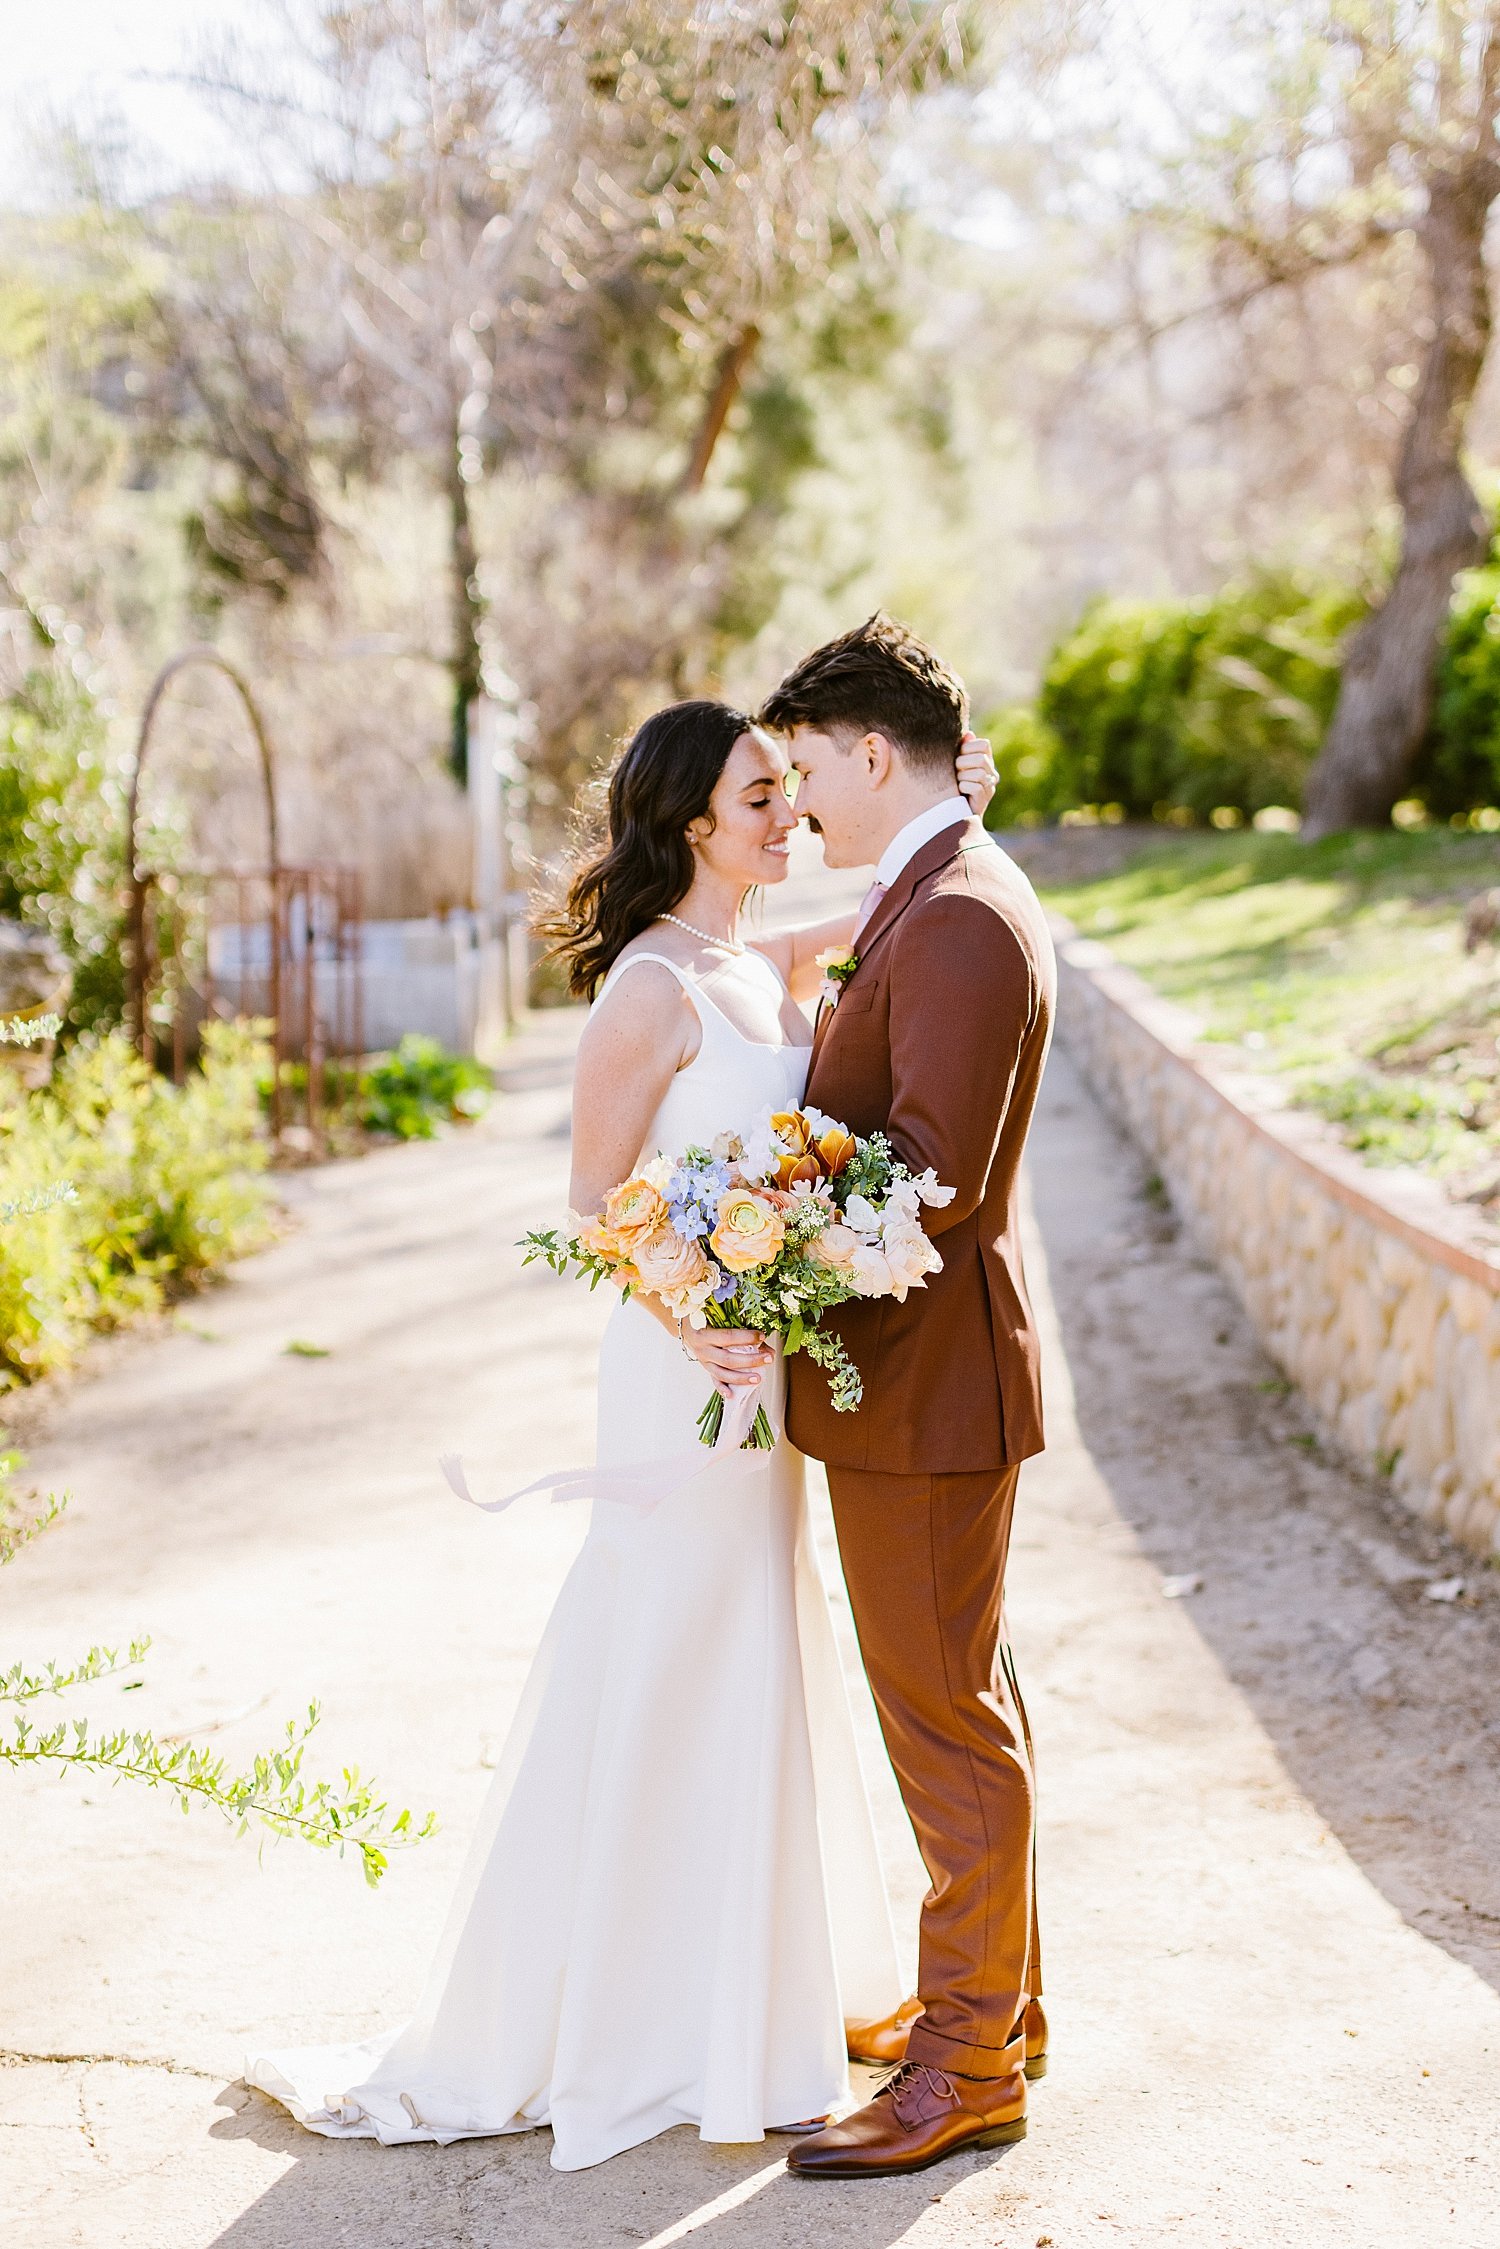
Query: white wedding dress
674	1896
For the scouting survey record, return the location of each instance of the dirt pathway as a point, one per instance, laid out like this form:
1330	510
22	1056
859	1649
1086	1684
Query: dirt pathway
1272	1819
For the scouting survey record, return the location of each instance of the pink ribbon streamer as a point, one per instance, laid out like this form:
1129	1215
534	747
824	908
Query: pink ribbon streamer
641	1484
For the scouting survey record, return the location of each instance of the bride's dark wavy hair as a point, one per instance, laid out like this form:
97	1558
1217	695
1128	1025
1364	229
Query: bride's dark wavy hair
664	780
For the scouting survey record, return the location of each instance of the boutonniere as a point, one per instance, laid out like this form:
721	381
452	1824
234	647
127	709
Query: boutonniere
837	966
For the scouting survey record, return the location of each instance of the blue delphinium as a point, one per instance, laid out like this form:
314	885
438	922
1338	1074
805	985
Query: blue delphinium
693	1193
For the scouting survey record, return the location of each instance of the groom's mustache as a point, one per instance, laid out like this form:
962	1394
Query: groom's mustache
812	823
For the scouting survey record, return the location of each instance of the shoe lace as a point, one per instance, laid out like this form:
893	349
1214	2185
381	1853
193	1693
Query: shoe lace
910	2078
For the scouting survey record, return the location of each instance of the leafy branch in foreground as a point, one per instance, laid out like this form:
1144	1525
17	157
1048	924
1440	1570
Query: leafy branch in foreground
38	1199
20	1685
331	1815
14	1536
24	1030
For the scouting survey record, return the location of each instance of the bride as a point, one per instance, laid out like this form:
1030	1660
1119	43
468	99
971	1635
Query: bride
674	1900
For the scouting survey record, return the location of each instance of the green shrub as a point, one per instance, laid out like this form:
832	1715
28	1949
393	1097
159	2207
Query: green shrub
62	855
1159	708
1459	768
1026	758
420	1085
166	1189
1113	695
1178	710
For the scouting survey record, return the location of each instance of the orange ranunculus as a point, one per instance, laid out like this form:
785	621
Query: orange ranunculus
631	1212
750	1230
835	1148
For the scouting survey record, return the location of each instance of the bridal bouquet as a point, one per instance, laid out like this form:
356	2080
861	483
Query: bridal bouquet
768	1229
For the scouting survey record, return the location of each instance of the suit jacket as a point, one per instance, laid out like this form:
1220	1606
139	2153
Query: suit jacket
938	1040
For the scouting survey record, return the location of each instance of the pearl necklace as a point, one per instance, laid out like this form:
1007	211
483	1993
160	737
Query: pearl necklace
730	944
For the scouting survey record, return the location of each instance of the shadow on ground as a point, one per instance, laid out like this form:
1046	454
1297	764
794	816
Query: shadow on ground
1382	1703
503	2194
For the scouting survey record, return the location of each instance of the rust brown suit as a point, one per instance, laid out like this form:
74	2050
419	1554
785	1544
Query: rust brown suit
938	1039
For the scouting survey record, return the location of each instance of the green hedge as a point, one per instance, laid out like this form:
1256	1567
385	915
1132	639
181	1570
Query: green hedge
1181	710
166	1180
62	853
1460	764
420	1086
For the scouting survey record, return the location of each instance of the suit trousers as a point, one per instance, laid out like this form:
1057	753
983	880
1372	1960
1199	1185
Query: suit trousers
924	1560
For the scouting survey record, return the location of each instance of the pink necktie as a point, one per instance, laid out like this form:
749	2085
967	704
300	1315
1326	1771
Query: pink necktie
868	904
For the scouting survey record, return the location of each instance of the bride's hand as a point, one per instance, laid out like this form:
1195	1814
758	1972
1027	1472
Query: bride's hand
733	1358
974	769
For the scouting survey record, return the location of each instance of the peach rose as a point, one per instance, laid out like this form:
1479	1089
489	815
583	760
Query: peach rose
631	1212
834	1247
665	1263
750	1230
870	1271
910	1256
595	1235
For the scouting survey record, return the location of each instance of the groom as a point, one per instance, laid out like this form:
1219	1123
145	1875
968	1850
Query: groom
937	1039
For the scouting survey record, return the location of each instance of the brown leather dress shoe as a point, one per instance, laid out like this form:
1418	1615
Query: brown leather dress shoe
921	2116
884	2041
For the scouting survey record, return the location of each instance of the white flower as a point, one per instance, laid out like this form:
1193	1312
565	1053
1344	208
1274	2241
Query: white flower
862	1216
762	1151
820	1124
870	1272
657	1173
835	1247
909	1254
687	1303
929	1189
788	1300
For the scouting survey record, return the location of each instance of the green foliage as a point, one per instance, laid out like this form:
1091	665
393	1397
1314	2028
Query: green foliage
1162	709
1338	967
61	841
1027	760
1177	710
330	1815
1460	764
340	1815
421	1085
165	1189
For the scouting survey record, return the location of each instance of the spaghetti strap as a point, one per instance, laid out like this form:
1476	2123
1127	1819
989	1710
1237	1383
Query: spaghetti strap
683	975
703	1007
711	1016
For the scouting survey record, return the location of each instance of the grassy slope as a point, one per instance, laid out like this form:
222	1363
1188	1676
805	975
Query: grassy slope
1339	966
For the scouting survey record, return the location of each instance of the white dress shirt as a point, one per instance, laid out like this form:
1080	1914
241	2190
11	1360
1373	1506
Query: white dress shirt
908	841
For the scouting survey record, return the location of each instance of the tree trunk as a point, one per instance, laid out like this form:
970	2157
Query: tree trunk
736	358
1385	697
466	661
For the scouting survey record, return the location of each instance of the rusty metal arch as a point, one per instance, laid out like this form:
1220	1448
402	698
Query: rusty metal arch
140	884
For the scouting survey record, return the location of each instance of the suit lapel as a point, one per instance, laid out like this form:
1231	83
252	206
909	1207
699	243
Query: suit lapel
935	853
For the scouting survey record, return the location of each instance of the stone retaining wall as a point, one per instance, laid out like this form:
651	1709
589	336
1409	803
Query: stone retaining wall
1376	1296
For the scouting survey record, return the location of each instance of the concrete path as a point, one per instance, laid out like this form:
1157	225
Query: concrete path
1272	1824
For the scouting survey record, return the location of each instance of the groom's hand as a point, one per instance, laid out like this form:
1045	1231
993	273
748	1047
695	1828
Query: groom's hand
974	771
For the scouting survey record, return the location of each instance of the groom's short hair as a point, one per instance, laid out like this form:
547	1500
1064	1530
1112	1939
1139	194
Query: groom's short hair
878	679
